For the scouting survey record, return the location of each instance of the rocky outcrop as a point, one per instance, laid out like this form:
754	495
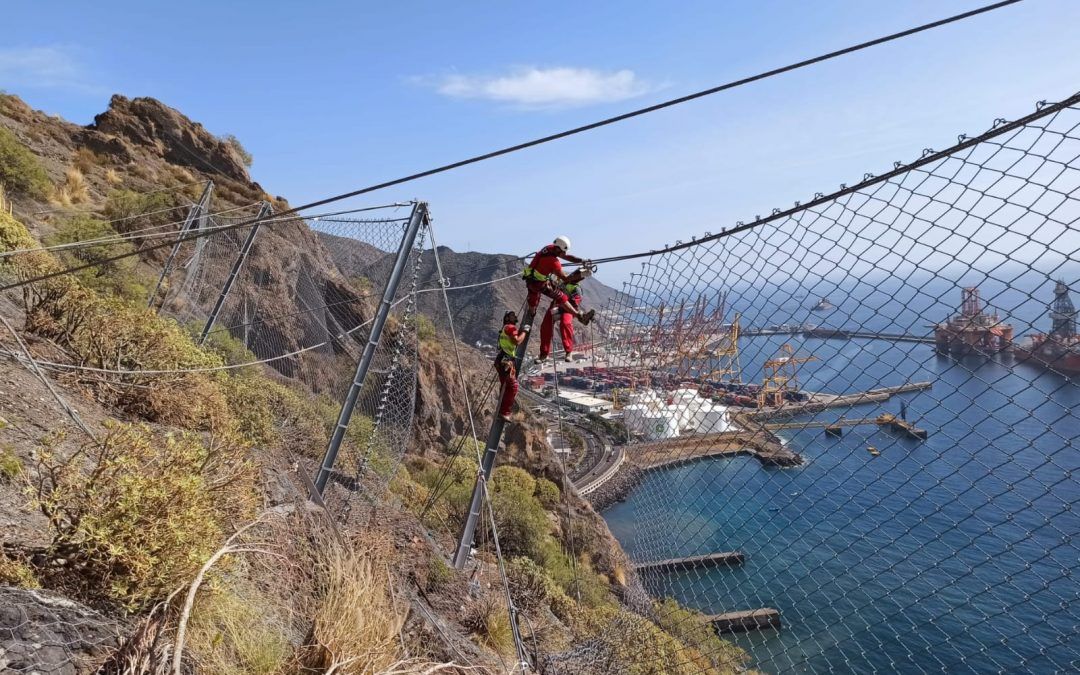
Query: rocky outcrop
41	632
150	124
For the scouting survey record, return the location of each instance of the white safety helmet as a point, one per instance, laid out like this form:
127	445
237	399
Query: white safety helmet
563	243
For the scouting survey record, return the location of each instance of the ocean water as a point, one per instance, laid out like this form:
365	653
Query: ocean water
960	553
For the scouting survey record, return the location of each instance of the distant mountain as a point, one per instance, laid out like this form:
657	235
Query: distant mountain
477	311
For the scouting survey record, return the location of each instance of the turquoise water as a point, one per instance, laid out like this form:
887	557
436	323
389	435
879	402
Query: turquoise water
957	554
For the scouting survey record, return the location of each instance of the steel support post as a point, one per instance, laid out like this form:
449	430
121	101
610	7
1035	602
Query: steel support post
200	208
418	217
487	462
264	211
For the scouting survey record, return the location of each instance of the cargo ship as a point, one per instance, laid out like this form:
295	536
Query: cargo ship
1058	350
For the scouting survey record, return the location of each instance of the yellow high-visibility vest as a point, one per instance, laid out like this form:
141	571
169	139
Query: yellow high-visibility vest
507	344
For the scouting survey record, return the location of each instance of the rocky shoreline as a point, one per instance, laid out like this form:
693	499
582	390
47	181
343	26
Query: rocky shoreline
615	489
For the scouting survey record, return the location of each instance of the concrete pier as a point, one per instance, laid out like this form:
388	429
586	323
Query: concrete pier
727	558
748	620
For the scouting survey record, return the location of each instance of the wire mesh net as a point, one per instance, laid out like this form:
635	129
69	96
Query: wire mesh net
858	422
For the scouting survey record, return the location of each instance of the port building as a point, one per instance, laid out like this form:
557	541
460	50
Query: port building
584	402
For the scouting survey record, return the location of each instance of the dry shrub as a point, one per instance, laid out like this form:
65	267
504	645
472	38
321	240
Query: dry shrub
136	513
232	632
488	620
357	627
73	190
86	159
112	177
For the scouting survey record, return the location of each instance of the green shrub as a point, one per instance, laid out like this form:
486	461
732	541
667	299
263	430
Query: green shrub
438	573
219	340
20	170
272	415
425	329
691	628
633	645
117	277
10	465
521	520
548	493
139	512
16	572
133	211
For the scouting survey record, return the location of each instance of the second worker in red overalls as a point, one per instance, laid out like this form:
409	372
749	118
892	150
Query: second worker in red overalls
572	290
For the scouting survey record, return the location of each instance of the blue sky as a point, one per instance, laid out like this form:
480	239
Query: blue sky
330	96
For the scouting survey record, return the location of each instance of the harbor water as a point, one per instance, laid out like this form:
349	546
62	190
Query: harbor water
955	554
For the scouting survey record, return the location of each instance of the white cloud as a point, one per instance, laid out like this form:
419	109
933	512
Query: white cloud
43	67
531	87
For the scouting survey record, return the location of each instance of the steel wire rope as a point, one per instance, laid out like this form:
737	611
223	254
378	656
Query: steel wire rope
123	236
207	231
619	118
565	479
350	331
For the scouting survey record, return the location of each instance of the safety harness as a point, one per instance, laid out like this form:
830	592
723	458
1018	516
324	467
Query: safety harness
532	275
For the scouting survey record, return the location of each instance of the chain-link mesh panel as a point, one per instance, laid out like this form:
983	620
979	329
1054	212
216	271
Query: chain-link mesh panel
859	423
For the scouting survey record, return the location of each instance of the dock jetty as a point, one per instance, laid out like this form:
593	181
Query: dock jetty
724	559
819	401
744	621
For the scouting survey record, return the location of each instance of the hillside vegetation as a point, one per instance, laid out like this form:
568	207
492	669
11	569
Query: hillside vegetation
171	516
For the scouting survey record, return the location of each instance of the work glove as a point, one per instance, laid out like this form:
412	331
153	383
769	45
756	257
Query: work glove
526	328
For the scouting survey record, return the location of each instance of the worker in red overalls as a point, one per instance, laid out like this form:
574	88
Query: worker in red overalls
572	289
509	339
545	269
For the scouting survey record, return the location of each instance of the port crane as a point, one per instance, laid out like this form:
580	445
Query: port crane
781	374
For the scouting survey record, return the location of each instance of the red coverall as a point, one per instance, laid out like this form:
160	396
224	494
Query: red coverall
566	326
504	366
545	263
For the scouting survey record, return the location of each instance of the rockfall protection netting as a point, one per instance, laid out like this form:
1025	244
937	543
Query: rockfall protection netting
933	301
299	314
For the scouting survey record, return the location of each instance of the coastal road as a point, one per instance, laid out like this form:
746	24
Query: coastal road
600	460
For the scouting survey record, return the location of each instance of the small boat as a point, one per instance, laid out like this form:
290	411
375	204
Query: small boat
823	305
873	451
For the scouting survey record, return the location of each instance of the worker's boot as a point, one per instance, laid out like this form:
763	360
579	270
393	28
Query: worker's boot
587	317
568	358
